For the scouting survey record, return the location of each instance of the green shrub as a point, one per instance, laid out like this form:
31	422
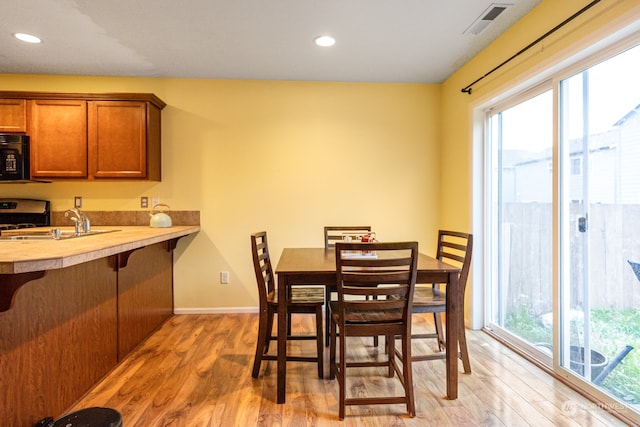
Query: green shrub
611	331
526	325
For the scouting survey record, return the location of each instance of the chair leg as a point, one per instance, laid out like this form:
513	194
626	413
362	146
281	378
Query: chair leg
375	338
342	376
407	373
261	344
390	349
332	351
268	330
464	354
320	346
327	313
437	320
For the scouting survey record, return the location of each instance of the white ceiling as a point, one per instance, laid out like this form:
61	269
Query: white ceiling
419	41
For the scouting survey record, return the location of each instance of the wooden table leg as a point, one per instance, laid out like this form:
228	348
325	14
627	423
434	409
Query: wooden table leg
282	338
454	316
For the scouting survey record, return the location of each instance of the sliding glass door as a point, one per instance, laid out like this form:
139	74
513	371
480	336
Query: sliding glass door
562	225
600	199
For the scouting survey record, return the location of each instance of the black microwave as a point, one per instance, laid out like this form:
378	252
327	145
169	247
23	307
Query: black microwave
14	157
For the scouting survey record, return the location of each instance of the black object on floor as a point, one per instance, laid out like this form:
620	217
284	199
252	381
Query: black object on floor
89	417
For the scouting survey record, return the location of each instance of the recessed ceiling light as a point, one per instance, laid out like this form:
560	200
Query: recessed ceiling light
324	41
27	38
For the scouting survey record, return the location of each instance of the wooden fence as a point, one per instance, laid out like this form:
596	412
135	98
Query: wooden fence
613	233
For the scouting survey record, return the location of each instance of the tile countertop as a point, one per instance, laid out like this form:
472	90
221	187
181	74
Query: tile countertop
22	256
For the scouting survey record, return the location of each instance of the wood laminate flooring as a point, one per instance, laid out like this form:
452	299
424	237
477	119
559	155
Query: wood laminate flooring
196	371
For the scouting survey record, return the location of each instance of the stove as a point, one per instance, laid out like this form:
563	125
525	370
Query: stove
24	213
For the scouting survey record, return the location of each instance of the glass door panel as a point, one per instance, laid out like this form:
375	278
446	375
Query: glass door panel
600	225
521	141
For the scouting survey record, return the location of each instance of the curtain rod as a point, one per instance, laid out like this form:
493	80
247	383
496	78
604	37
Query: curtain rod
467	89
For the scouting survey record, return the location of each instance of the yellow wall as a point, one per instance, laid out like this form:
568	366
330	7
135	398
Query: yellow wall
286	157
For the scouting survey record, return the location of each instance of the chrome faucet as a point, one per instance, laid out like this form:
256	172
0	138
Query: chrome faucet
80	220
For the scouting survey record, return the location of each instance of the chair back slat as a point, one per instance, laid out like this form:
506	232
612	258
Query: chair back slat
374	277
457	246
382	291
369	304
448	256
373	263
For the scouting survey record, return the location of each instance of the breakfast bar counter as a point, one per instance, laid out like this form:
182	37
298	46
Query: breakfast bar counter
72	309
22	256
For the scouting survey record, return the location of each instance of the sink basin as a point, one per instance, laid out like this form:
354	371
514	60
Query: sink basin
52	234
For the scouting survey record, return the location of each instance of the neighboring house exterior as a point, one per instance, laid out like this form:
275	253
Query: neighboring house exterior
615	150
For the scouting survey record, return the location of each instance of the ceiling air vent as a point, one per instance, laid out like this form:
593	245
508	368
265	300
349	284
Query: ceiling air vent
485	18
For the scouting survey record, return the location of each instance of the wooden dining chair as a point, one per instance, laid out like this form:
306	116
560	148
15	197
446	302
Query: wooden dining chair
333	234
454	248
302	300
336	233
386	273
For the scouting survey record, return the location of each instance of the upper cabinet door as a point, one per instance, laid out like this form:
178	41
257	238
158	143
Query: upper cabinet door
58	131
13	115
117	139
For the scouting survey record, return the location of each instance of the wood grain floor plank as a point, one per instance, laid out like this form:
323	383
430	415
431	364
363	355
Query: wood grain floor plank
195	371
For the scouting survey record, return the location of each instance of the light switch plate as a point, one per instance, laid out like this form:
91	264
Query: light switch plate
224	277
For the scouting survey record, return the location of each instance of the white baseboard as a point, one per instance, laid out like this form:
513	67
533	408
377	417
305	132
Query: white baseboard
215	310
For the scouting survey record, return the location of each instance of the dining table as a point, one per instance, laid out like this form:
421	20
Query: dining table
317	266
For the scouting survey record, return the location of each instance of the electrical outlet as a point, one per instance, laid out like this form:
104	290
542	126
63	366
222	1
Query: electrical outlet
144	202
77	202
224	277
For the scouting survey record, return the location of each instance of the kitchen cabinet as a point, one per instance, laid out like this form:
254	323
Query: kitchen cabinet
124	140
58	131
13	115
112	136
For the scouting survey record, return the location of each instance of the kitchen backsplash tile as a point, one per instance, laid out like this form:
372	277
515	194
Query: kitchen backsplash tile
127	218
